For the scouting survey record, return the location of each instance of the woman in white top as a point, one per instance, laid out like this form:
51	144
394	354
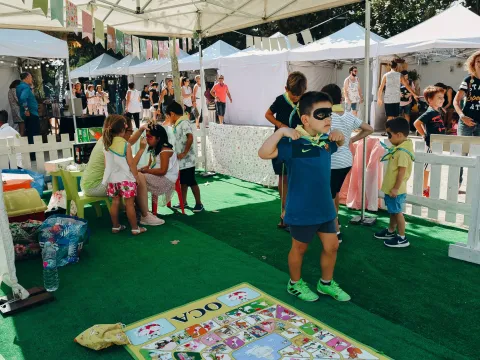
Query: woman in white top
187	95
134	104
197	99
102	98
91	100
162	171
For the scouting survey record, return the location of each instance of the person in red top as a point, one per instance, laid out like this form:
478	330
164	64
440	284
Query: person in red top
220	93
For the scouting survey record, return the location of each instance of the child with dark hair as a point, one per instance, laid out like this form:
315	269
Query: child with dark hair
342	160
431	122
185	149
400	158
284	113
161	173
306	151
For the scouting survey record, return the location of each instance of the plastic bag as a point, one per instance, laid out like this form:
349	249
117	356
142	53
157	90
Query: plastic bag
68	234
58	200
102	336
24	237
38	179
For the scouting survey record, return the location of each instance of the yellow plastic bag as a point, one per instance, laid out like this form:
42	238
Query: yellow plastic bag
102	336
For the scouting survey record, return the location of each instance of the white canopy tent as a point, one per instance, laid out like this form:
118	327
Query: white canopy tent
96	64
149	66
347	43
211	56
121	67
23	44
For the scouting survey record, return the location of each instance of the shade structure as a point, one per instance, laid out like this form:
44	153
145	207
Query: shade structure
31	43
121	67
89	68
151	66
347	43
211	56
452	28
168	17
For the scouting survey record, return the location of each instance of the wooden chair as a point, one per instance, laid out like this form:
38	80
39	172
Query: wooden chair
69	179
178	189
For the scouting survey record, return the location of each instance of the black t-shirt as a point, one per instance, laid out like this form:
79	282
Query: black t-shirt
404	92
446	97
155	96
82	96
471	87
282	110
145	99
433	122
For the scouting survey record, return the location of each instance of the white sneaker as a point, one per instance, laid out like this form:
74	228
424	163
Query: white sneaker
151	220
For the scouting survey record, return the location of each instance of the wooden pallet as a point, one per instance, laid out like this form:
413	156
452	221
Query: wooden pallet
38	295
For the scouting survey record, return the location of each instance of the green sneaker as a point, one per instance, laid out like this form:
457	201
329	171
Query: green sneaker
301	290
333	290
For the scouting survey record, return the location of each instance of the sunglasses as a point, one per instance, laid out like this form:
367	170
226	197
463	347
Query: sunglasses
322	113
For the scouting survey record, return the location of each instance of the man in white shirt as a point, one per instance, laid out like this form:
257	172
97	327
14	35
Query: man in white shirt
7	132
352	91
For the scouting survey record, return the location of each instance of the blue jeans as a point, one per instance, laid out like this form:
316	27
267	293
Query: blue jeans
464	130
395	205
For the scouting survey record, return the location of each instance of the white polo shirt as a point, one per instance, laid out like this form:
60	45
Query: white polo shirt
6	131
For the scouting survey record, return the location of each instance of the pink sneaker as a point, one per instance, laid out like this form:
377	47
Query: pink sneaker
151	220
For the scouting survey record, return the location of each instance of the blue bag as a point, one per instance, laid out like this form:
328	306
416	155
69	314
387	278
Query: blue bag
38	179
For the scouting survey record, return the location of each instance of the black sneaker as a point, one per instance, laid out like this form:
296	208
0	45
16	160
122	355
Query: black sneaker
384	234
397	242
198	208
178	207
339	236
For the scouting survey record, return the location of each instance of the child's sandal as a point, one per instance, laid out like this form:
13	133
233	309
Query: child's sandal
139	230
118	229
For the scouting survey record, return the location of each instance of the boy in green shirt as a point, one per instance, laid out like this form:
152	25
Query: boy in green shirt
400	158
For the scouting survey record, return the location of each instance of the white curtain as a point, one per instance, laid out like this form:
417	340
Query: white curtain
318	74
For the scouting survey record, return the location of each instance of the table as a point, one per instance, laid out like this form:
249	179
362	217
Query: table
233	150
67	127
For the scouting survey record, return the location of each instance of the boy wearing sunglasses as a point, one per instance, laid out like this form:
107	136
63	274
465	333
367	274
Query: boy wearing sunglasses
306	151
399	168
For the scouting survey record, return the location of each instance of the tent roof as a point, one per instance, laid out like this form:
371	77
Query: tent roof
88	69
210	55
169	17
347	43
31	43
121	67
448	29
151	66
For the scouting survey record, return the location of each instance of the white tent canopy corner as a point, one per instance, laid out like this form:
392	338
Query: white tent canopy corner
152	66
89	68
121	67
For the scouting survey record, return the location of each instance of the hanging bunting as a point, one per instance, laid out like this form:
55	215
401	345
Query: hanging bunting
283	43
136	47
166	48
307	36
40	4
155	49
111	43
249	41
292	39
257	42
87	26
149	49
189	44
99	33
265	44
143	49
127	39
72	17
56	10
160	50
119	42
177	46
274	44
184	41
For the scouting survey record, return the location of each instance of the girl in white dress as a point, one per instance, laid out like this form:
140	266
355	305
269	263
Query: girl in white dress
102	101
91	100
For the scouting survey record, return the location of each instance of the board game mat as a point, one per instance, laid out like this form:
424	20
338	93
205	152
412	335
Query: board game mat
240	323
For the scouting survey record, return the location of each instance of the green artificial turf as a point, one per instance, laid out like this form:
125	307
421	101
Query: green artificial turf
413	303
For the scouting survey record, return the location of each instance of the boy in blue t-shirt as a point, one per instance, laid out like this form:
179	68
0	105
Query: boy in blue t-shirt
306	151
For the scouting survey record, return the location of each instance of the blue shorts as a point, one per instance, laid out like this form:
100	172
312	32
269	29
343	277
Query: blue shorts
406	109
395	205
350	107
305	233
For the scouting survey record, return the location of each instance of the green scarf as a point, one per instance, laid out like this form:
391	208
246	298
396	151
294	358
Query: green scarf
296	109
392	150
180	119
320	140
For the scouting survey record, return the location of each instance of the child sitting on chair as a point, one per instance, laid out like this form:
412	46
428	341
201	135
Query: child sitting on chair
121	174
162	171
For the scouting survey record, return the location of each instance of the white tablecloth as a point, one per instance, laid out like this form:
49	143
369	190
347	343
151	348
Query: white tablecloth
233	150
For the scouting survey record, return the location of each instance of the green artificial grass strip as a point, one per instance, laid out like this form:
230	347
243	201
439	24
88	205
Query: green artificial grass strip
419	288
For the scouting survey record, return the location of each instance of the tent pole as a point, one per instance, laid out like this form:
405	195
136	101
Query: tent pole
204	111
72	104
175	71
366	87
